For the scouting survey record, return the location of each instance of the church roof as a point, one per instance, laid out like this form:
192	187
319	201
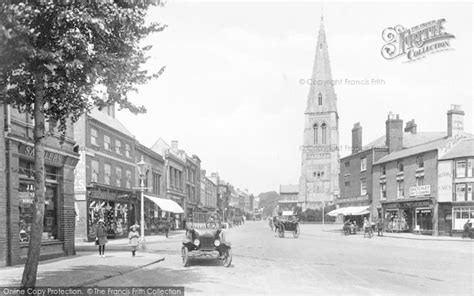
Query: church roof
321	80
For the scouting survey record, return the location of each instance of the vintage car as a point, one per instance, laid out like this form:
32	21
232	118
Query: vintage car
209	242
287	222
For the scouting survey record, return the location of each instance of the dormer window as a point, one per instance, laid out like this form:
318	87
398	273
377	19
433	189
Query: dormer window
320	99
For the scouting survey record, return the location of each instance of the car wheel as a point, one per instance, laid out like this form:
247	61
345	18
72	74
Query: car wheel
296	233
281	231
228	258
185	256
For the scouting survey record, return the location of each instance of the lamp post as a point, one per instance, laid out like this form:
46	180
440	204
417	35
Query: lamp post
141	173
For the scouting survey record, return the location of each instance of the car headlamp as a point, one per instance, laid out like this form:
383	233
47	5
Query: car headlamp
196	242
217	243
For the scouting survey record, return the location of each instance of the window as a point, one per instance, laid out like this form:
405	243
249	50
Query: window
94	137
460	192
460	169
420	162
118	177
400	189
107	170
118	147
383	170
347	183
127	150
383	190
420	181
320	99
363	164
26	193
323	132
315	134
363	187
156	183
128	181
469	191
470	167
400	167
106	142
94	171
347	164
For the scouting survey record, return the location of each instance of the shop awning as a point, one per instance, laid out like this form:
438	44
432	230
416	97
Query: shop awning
166	205
350	211
287	213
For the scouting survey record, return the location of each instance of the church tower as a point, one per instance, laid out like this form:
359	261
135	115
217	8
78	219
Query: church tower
320	155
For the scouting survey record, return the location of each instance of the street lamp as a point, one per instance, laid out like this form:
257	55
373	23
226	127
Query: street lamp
141	174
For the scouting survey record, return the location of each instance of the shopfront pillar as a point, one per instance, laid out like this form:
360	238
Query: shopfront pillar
435	218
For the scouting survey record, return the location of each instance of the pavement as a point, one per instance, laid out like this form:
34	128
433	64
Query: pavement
320	261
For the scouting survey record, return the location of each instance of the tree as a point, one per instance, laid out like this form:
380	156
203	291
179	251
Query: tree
268	201
53	57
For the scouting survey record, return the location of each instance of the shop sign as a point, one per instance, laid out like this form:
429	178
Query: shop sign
408	204
48	156
97	194
420	190
445	181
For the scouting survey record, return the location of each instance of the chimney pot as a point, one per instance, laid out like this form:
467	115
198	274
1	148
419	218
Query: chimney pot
356	138
394	133
455	121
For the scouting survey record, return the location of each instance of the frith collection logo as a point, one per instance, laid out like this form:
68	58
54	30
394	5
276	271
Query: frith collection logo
416	42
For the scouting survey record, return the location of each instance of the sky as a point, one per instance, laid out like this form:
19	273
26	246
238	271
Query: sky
232	91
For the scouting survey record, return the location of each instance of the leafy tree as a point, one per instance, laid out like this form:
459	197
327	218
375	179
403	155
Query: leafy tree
53	57
268	201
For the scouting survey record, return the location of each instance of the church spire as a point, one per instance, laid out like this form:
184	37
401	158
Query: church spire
321	97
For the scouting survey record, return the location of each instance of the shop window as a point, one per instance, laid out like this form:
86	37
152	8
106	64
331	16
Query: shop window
420	180
128	181
460	192
26	193
107	173
118	147
51	173
118	217
363	164
400	189
424	219
460	169
94	171
26	169
107	143
94	137
363	186
315	133
127	150
383	190
118	176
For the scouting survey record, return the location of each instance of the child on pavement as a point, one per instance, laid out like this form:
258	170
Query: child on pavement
133	239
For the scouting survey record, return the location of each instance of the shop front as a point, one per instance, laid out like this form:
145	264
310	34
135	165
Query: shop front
56	239
408	216
160	211
116	208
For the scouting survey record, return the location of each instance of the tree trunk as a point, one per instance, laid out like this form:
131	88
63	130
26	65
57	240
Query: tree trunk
31	265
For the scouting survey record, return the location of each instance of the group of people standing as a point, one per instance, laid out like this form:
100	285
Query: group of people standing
133	238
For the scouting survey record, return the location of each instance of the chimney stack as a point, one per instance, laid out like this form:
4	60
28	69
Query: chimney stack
356	138
394	133
455	121
174	146
411	127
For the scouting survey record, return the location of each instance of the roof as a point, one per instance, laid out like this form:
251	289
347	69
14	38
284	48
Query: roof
463	148
409	140
289	189
429	146
110	122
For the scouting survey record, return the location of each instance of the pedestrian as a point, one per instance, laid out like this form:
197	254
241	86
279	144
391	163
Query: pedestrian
101	237
133	239
167	227
379	227
467	228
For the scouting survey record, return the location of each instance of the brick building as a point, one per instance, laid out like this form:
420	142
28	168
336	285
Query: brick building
105	175
193	186
406	180
17	188
154	189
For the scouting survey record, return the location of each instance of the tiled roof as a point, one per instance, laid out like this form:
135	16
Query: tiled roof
110	121
463	148
289	188
409	140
